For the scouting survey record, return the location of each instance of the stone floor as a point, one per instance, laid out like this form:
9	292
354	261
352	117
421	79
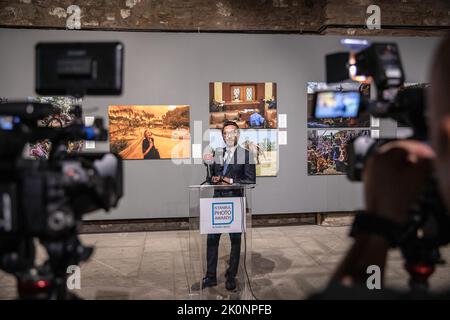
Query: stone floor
286	263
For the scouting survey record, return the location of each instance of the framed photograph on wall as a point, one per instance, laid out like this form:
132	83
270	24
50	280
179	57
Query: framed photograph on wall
252	105
262	143
326	151
150	131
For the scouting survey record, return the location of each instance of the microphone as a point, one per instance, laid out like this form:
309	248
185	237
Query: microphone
208	161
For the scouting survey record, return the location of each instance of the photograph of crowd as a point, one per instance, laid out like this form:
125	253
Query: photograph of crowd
361	122
61	118
150	131
327	154
250	105
263	145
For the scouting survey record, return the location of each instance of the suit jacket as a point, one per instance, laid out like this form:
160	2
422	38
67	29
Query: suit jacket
241	168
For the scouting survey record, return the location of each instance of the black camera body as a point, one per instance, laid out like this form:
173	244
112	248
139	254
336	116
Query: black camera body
380	64
381	61
45	199
429	223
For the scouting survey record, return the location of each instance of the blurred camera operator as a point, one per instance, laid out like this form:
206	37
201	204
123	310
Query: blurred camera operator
393	179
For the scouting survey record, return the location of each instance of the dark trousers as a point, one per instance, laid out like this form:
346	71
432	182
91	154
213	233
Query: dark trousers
212	253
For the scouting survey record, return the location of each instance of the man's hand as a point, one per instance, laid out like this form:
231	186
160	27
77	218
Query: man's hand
215	179
226	180
218	180
394	177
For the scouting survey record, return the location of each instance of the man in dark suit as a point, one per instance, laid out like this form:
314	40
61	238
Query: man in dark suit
232	164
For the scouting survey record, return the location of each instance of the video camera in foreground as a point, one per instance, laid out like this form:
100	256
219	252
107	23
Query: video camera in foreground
379	65
46	199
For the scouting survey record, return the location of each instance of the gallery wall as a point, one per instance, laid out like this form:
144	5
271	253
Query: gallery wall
176	69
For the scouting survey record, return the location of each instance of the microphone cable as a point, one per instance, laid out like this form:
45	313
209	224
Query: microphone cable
244	211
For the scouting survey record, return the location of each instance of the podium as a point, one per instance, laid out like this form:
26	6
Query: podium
224	210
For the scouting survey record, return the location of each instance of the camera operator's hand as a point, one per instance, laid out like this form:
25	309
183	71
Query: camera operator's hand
394	177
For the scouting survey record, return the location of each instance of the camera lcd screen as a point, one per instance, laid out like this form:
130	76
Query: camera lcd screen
7	122
336	104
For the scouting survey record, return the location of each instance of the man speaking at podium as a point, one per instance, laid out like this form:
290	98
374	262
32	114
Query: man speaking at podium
232	164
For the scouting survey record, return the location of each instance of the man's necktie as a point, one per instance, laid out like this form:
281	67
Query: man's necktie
226	162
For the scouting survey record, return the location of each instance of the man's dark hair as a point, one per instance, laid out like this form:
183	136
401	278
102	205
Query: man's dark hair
229	123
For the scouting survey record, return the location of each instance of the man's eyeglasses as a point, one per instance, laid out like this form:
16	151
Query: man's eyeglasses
230	134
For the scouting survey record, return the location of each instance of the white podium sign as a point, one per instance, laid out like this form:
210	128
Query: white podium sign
222	215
